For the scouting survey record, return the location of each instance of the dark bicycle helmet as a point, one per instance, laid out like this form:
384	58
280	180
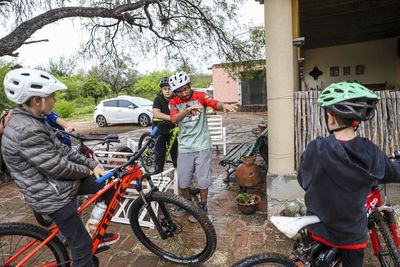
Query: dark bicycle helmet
164	82
350	101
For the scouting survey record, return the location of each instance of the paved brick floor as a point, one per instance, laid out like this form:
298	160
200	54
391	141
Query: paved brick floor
238	235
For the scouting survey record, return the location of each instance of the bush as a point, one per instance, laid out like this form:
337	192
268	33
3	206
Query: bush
64	108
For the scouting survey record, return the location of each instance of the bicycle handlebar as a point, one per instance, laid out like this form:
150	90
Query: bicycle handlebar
111	138
135	157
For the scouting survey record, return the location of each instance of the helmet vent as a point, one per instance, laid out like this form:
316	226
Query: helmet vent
328	99
337	90
45	77
36	86
15	82
25	74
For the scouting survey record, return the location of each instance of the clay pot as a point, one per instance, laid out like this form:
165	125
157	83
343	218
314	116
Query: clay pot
248	174
251	207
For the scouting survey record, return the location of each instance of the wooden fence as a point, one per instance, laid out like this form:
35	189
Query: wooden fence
383	129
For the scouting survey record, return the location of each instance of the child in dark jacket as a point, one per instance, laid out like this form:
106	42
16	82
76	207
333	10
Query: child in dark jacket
337	172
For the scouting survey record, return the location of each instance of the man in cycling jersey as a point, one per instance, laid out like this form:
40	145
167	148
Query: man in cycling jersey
161	111
48	174
188	109
338	171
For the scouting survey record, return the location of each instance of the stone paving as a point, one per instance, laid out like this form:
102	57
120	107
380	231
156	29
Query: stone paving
238	235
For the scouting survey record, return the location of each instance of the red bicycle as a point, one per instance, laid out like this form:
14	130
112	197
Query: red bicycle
88	152
382	227
173	238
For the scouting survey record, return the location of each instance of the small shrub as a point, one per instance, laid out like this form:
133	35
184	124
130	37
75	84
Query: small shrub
64	108
244	198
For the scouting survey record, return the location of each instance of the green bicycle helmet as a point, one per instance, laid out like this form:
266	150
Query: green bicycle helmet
349	101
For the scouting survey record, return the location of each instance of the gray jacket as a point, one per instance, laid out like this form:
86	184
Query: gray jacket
47	172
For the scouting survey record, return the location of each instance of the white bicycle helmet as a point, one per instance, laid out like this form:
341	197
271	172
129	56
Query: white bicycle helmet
178	80
22	84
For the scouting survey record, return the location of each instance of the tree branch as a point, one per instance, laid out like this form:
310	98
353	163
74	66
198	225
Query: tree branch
24	31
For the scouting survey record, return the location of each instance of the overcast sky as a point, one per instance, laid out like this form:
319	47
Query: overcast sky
65	38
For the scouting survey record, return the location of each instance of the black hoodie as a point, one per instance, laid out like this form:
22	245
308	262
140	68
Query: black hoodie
337	177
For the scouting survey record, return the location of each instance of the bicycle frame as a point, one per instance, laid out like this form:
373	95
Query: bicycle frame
126	178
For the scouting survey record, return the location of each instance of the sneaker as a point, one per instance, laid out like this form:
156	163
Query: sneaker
109	239
179	212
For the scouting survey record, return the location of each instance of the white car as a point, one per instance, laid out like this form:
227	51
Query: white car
124	109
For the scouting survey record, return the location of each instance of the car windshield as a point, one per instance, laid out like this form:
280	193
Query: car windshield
142	102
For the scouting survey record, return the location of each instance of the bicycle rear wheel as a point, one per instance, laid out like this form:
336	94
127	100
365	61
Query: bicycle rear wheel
389	254
14	237
265	260
148	157
185	242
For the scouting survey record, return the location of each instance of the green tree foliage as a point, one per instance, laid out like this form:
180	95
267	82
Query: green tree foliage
149	85
74	85
94	88
201	80
4	102
118	75
64	108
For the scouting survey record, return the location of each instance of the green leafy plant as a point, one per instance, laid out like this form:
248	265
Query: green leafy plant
244	198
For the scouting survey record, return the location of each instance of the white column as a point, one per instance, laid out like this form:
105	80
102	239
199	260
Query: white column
279	59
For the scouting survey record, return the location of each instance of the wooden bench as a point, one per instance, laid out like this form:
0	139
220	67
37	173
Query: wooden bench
234	156
217	131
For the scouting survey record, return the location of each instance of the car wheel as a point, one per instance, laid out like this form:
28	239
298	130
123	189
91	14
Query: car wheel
144	120
101	121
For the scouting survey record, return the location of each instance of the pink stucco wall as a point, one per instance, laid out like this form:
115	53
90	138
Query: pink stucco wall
225	87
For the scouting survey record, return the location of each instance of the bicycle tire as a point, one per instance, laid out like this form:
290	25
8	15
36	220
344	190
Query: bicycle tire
54	251
176	229
148	157
43	220
265	258
388	240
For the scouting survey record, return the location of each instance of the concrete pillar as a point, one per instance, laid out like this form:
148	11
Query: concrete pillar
282	184
279	59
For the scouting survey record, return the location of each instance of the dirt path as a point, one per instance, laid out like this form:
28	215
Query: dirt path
90	127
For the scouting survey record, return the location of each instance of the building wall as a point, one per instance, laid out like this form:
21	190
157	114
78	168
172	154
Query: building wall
225	87
380	59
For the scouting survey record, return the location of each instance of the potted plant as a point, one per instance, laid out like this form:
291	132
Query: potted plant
247	203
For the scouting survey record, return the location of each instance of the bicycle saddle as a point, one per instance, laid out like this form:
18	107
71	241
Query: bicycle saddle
290	226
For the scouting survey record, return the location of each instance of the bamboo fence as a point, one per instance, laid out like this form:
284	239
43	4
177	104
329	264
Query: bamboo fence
383	129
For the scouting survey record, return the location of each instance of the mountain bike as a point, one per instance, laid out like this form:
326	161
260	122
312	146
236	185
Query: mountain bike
148	157
174	239
87	151
382	227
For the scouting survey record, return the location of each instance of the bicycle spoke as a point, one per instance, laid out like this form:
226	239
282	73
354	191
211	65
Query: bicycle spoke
17	243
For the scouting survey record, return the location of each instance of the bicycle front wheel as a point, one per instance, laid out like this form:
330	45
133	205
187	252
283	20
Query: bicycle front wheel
389	254
16	240
267	260
184	242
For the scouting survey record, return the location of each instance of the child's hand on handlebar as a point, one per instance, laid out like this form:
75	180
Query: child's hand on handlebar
98	171
69	129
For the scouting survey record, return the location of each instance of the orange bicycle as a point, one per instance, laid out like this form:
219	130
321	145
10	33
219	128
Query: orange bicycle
173	238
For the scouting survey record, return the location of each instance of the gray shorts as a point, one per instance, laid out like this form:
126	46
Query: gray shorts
194	162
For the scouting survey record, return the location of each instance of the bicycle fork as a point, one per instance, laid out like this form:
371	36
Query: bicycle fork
159	226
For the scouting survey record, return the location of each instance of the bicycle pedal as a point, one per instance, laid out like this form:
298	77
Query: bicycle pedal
102	249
